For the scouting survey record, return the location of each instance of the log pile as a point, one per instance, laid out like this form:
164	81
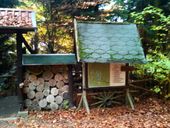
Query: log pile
15	18
45	88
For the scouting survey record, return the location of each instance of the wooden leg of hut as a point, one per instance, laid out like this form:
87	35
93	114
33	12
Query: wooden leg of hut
70	77
19	68
84	102
128	96
80	103
86	105
84	93
129	99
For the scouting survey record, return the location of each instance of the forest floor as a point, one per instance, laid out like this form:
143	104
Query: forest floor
151	113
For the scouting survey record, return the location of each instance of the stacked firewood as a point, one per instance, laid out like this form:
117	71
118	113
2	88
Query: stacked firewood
46	88
15	18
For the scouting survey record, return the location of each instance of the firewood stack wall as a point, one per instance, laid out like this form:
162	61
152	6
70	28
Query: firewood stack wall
46	87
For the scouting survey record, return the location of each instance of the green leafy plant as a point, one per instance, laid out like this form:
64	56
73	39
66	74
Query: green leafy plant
157	68
6	81
7	60
154	30
65	104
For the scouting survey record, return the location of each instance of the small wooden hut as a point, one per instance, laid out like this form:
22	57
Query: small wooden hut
105	51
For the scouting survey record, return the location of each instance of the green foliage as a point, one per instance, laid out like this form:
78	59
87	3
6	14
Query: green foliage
130	6
160	69
154	29
7	60
65	104
157	68
6	78
155	33
55	32
7	52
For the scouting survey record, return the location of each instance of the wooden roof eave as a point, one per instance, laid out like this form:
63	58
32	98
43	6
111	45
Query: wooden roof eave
48	59
11	30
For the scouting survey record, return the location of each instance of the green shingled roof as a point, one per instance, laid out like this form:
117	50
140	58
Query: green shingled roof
107	43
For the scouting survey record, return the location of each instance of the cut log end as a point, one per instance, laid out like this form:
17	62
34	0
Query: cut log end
45	88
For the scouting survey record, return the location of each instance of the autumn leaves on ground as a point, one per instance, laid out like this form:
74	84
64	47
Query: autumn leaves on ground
151	113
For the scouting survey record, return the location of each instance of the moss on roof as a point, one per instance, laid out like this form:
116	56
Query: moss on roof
107	43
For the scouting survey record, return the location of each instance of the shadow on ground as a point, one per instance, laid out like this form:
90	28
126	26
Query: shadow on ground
9	106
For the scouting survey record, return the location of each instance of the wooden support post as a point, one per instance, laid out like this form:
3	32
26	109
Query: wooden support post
70	77
19	67
84	93
35	41
27	45
80	103
128	96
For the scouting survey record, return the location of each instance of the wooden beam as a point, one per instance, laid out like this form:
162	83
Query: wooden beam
70	78
27	45
138	87
127	68
19	67
84	93
8	30
129	98
80	102
35	41
127	76
140	81
86	77
109	88
128	95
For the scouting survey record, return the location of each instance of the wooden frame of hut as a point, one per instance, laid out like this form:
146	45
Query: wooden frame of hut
18	21
105	51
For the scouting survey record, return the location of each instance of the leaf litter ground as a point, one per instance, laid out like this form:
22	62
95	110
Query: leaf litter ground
152	113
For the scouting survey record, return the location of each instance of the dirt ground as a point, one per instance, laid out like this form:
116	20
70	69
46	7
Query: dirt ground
152	113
